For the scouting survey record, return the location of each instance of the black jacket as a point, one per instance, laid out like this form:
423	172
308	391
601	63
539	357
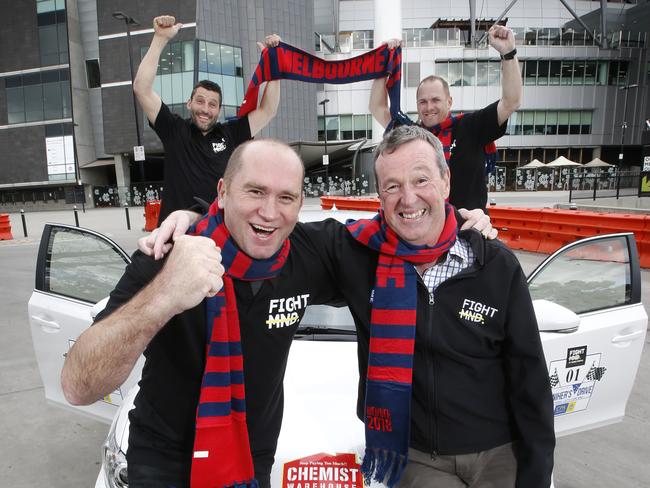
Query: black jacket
479	376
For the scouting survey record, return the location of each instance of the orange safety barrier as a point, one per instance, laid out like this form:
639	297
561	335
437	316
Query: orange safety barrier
151	213
518	227
350	203
5	228
539	230
546	230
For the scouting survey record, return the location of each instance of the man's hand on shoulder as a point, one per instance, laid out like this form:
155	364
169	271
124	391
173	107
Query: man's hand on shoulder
165	26
478	220
160	241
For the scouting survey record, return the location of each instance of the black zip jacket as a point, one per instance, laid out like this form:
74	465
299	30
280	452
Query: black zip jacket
479	376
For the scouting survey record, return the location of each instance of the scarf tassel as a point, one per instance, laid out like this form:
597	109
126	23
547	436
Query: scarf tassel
379	464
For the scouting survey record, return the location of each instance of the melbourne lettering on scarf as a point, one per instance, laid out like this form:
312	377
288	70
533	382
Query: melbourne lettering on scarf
289	62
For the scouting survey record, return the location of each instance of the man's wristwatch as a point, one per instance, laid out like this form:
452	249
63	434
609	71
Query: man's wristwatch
509	55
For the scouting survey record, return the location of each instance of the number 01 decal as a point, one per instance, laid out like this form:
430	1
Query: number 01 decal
573	379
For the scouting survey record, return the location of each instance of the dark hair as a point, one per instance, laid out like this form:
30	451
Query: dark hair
432	79
208	85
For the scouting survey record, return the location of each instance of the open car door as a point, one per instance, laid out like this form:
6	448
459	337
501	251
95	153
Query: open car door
76	269
592	360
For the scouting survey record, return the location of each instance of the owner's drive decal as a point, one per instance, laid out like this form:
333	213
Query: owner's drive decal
323	471
573	379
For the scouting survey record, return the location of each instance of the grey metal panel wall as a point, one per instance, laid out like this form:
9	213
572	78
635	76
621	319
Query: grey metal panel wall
19	36
242	23
23	155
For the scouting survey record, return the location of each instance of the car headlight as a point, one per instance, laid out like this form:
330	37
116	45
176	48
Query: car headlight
114	462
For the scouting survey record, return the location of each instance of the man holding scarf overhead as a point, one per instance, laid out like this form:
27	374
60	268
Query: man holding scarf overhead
468	139
196	149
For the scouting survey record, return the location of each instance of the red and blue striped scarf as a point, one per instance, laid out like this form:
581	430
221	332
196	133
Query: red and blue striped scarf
443	132
221	456
288	62
392	341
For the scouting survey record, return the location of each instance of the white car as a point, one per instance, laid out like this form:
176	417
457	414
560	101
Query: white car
587	299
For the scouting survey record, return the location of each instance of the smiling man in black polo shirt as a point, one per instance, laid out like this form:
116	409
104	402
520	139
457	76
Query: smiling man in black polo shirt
197	149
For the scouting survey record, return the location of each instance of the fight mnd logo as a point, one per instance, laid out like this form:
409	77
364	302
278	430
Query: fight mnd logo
284	312
476	312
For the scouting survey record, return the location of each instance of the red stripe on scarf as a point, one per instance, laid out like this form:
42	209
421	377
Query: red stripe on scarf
240	264
392	317
223	393
386	373
222	454
393	346
224	364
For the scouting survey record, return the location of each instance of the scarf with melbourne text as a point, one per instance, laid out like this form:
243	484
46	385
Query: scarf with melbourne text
221	457
387	413
288	62
443	132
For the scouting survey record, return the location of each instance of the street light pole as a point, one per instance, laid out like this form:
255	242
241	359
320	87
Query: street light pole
624	124
129	21
326	160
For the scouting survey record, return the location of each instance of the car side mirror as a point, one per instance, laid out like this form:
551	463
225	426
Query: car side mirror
552	317
98	307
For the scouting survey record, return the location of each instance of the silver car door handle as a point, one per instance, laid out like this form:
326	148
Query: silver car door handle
628	337
47	325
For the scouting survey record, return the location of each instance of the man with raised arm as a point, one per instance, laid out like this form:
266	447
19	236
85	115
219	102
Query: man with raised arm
196	150
468	139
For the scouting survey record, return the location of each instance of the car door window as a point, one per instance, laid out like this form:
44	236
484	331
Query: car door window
82	266
589	276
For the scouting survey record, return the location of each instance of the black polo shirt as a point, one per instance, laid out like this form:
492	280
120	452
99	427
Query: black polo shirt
467	162
194	162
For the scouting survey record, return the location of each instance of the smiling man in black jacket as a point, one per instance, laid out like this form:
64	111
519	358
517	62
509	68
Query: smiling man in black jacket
481	410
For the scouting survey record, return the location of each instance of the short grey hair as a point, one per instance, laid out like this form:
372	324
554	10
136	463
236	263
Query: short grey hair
404	134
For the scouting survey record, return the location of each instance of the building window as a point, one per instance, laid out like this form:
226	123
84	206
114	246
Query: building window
59	148
38	96
345	127
419	37
412	71
49	5
53	37
219	63
549	122
93	77
362	39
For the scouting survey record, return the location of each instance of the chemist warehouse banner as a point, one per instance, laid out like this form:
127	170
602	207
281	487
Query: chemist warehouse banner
323	471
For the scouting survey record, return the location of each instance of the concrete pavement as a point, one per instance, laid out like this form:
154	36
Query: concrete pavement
47	446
